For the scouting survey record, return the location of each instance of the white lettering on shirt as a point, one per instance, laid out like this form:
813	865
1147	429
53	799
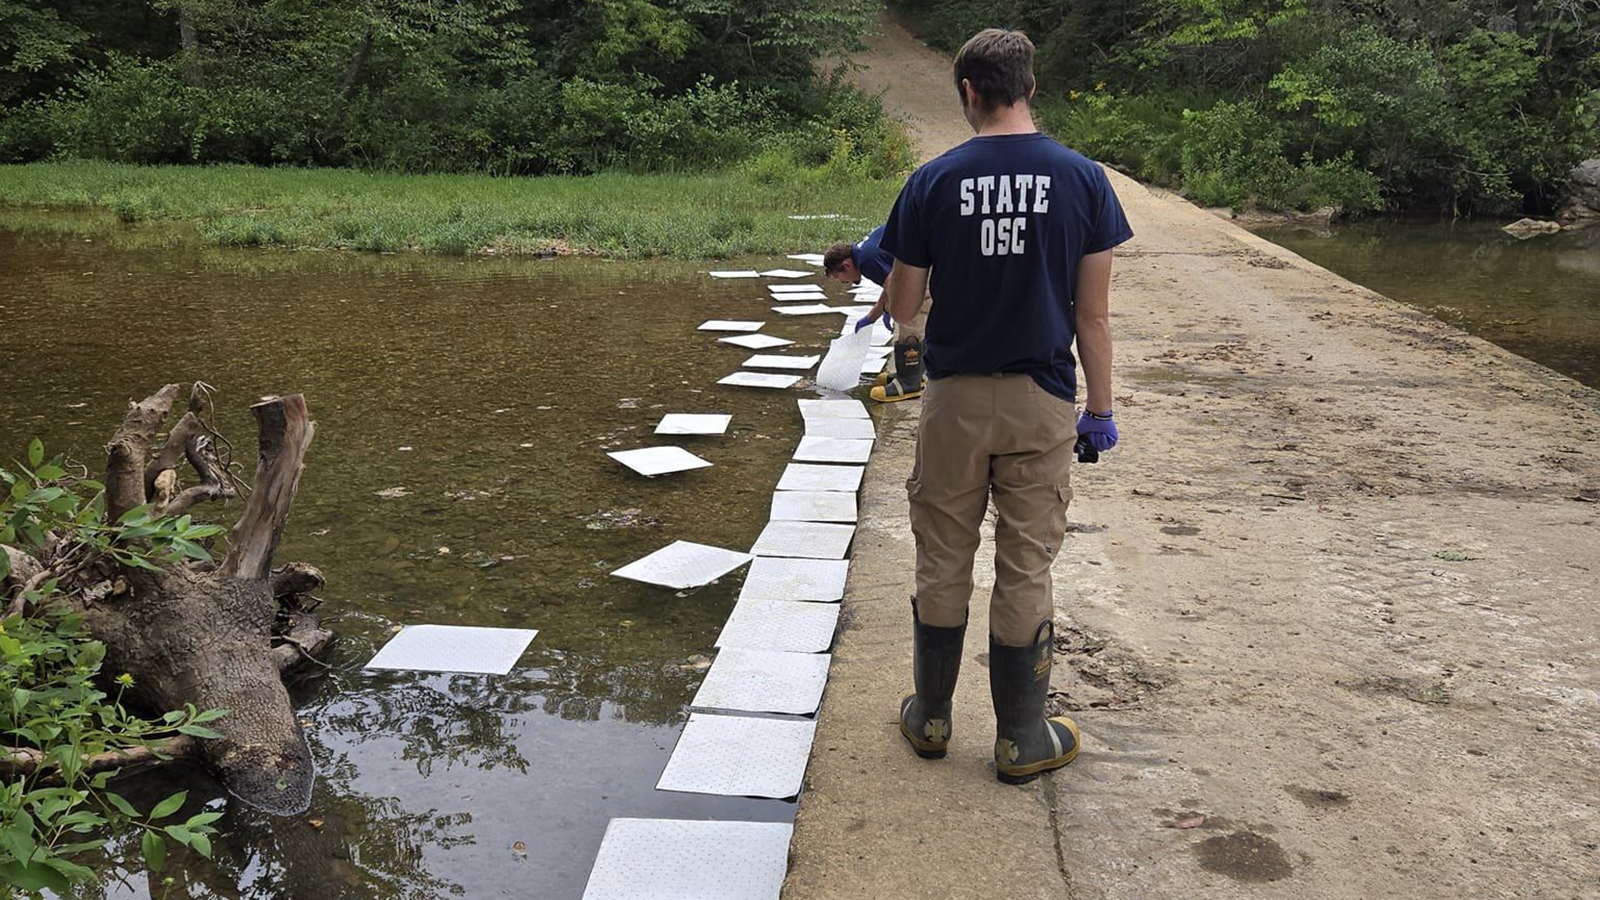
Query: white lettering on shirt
1024	185
1002	196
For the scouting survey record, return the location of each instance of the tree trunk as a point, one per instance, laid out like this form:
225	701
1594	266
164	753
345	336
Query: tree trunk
204	633
189	42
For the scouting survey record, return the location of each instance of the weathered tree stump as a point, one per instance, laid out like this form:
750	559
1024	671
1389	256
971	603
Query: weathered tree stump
215	634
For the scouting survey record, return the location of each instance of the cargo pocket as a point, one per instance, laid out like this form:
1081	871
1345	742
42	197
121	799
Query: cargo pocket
1058	519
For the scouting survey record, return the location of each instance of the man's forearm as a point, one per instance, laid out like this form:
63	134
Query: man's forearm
905	290
1094	351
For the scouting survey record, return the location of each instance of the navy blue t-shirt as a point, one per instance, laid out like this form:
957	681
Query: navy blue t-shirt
1003	221
873	261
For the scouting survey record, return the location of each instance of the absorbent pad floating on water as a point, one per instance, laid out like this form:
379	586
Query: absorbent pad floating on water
805	580
811	540
794	288
813	258
730	325
786	273
756	341
739	756
786	625
683	564
779	361
805	477
653	461
693	423
837	450
454	648
760	380
764	681
736	273
813	506
807	297
658	859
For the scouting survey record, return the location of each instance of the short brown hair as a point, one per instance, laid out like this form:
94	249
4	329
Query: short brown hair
834	259
999	65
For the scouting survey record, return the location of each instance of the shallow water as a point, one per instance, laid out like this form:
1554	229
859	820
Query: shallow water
1538	298
489	390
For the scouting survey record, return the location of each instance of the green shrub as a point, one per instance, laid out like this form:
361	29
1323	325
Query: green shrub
57	702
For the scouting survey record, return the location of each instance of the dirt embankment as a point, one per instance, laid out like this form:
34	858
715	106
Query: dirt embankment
1328	618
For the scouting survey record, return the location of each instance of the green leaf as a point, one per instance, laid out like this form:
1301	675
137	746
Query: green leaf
191	549
18	836
154	848
179	834
70	869
210	715
50	472
35	453
5	562
200	819
200	844
199	731
132	515
169	806
34	877
121	805
79	847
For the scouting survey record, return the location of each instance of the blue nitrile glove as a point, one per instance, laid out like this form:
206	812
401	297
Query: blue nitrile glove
1100	430
864	321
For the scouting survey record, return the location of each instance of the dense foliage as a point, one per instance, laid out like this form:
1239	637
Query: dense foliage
56	706
1454	105
496	86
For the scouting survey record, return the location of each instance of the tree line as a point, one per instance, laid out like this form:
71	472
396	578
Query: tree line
1456	106
497	86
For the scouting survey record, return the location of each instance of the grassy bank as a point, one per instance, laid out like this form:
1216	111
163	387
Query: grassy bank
728	213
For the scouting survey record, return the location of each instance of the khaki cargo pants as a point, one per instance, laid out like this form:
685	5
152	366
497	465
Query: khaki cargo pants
981	436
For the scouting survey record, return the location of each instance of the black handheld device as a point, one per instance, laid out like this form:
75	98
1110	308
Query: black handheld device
1085	450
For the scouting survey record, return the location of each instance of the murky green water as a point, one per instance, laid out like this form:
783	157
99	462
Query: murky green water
1539	298
489	390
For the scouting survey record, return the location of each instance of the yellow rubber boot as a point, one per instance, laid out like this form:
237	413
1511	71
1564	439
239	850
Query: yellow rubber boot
907	381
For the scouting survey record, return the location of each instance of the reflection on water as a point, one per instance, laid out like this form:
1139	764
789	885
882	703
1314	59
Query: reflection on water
1538	298
459	476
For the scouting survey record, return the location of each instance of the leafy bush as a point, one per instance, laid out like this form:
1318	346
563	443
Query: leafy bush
475	85
58	711
1449	106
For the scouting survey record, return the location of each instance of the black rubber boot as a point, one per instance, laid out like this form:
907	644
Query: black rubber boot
935	663
908	370
1026	743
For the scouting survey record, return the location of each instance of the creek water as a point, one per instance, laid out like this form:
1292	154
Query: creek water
458	476
1539	298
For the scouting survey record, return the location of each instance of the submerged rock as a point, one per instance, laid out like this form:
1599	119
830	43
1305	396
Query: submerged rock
1527	228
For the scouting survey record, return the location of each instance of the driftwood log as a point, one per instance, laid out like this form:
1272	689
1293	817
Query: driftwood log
218	634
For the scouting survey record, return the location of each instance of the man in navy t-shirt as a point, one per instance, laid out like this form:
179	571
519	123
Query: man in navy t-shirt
1016	231
846	262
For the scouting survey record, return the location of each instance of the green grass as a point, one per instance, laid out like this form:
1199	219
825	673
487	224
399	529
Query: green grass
739	211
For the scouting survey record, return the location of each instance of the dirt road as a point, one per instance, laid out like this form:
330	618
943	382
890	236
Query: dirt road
1328	617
